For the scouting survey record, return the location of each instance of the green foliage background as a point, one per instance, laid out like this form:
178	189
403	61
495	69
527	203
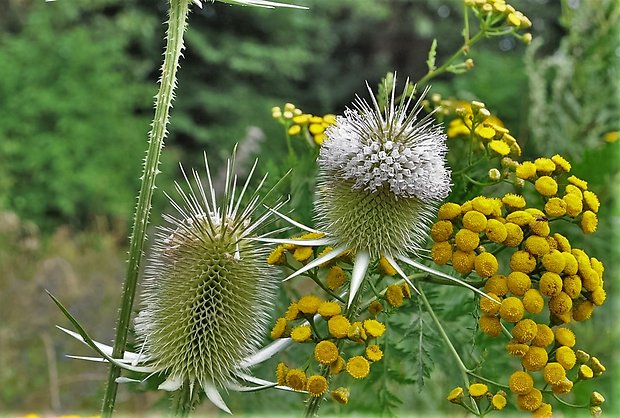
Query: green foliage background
76	87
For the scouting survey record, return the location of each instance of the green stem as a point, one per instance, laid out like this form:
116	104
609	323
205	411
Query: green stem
462	368
443	68
174	45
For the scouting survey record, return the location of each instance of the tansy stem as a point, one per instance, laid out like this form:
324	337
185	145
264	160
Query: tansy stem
464	370
185	401
177	23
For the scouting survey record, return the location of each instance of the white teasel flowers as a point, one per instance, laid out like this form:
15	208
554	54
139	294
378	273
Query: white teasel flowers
382	173
207	292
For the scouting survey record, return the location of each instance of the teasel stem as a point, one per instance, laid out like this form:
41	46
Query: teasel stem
177	24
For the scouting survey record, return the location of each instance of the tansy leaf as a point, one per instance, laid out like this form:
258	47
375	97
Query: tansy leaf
430	62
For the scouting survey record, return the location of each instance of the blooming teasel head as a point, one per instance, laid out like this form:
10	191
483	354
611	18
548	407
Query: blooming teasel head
382	172
207	290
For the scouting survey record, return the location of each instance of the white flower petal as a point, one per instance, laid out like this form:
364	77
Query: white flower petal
292	222
214	396
318	261
362	260
171	384
127	356
442	275
266	353
300	242
400	271
264	383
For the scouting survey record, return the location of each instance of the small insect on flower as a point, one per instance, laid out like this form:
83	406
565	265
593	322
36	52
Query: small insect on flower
208	290
382	174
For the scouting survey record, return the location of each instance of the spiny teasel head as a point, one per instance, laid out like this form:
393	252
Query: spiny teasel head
381	173
207	288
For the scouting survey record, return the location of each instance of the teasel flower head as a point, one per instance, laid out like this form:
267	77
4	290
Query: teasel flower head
207	290
382	173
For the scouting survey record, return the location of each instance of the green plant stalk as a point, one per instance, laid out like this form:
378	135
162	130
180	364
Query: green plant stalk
177	23
462	368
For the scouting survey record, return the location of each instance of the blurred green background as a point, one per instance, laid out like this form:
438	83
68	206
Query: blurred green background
77	81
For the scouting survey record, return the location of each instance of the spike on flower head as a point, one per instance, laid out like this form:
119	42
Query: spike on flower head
207	288
382	170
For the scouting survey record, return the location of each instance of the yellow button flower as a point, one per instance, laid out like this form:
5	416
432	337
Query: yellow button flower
316	386
483	205
277	256
309	304
490	325
560	304
516	348
329	309
478	390
338	326
449	211
561	163
326	352
463	262
555	207
582	184
571	285
574	204
394	295
296	379
523	261
533	301
374	353
514	234
441	252
337	366
335	278
566	357
358	367
554	373
356	332
520	217
572	189
511	309
585	372
486	264
546	186
500	147
467	240
455	395
544	165
565	386
521	382
374	328
301	334
544	336
598	296
597	366
496	231
550	284
571	266
591	201
544	411
386	267
589	222
526	170
563	243
582	310
524	331
474	221
498	401
278	329
554	262
536	245
518	283
341	395
442	231
302	254
535	358
513	201
488	306
497	285
292	313
281	371
531	401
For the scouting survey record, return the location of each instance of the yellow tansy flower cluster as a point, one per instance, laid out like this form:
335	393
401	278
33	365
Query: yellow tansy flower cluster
502	15
302	124
480	393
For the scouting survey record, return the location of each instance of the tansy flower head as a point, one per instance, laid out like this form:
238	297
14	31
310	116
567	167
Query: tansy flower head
535	358
521	382
207	288
373	352
394	295
374	328
296	379
499	401
455	395
341	395
326	352
381	169
490	325
301	334
530	401
316	385
358	367
478	390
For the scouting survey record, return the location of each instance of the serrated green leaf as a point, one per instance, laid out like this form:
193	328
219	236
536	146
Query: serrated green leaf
432	52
